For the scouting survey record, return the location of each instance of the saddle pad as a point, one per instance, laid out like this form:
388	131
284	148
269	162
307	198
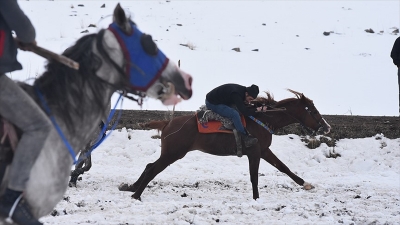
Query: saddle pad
214	126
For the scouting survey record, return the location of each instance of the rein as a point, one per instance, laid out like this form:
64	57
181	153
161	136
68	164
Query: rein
312	132
180	127
59	131
100	139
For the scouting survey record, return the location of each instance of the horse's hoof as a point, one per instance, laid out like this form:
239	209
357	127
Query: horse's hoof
138	198
307	186
123	187
72	184
127	187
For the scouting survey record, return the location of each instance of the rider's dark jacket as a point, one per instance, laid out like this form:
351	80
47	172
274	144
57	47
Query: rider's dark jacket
395	53
13	19
230	94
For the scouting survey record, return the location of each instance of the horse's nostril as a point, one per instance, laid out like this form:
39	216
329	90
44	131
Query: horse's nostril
190	81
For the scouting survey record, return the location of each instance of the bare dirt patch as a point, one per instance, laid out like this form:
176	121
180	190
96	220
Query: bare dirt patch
342	126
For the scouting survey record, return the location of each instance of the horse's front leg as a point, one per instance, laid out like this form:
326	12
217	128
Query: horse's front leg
79	168
253	155
157	167
268	156
134	187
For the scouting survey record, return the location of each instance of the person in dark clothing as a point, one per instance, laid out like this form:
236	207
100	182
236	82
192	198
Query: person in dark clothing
395	54
14	103
221	100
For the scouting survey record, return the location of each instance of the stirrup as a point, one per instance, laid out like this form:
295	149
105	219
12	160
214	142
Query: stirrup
12	210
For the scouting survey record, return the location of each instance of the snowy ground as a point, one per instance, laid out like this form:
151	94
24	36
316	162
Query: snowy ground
348	72
360	187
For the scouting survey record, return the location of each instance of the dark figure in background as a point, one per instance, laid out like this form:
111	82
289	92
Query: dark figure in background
14	105
221	100
395	54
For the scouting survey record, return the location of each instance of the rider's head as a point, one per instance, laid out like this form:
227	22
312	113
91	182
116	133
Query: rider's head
252	91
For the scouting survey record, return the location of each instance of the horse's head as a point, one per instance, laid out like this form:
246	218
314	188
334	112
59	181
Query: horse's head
146	68
304	111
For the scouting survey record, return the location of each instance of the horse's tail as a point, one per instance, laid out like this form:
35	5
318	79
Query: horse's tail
155	124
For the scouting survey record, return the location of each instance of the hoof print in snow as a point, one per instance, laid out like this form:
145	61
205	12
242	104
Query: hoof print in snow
236	49
103	6
369	31
81	5
85	31
280	207
92	25
54	213
255	50
326	33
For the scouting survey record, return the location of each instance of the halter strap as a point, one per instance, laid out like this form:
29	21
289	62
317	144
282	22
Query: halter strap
55	124
53	120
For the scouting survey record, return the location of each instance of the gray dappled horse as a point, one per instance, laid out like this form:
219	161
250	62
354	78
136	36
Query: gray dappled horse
78	99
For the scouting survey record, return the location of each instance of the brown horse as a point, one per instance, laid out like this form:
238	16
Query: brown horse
180	135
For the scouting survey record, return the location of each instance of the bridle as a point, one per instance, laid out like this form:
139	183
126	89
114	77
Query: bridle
303	126
167	89
313	132
123	87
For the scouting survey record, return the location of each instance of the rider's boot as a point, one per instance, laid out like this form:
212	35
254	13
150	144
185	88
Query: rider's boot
249	140
14	207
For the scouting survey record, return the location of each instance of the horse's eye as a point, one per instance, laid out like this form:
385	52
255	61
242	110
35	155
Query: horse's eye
148	44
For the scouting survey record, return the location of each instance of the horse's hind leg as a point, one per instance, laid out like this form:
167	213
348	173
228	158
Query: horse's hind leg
268	156
152	170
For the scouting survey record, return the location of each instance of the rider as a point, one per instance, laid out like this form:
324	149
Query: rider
18	108
221	99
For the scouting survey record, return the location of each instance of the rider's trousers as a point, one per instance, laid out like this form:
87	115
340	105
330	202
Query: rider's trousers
228	112
19	108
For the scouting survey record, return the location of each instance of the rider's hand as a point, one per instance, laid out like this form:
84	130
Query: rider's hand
261	109
24	46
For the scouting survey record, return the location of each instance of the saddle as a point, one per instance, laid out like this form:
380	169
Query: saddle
211	122
8	142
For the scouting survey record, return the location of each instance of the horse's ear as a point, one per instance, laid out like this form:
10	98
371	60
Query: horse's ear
120	19
302	97
305	99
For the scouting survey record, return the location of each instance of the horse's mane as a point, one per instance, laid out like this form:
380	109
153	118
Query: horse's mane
260	101
64	87
270	101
